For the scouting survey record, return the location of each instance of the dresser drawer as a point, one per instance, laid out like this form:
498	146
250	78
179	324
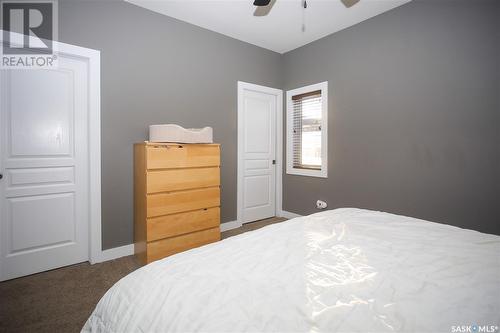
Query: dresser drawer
166	247
182	201
182	179
182	156
182	223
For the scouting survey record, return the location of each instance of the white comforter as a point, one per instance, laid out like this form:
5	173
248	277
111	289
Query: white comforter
346	270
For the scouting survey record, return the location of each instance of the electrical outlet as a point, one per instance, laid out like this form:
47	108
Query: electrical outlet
320	204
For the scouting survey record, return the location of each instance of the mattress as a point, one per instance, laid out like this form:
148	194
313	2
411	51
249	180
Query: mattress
179	134
345	270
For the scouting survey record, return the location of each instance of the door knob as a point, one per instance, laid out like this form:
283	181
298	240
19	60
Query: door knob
1	176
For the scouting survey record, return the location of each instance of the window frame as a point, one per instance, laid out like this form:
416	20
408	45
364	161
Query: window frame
323	172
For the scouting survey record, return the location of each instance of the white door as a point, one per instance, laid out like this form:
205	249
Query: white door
44	151
257	113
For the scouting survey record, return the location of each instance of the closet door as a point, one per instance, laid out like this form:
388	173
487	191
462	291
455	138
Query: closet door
257	122
44	151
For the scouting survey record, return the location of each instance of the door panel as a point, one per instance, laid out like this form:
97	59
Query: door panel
257	191
44	157
257	123
30	217
39	176
41	114
259	151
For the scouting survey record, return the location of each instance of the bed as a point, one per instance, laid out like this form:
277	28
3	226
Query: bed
344	270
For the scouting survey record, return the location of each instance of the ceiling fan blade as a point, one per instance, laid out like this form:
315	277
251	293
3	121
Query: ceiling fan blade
349	3
264	10
261	2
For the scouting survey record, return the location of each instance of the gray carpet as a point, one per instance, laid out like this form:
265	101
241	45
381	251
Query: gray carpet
61	300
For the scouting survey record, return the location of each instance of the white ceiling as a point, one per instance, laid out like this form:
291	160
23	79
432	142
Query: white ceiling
279	31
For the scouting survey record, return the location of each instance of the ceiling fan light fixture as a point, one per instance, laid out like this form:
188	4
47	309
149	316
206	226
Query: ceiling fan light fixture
261	3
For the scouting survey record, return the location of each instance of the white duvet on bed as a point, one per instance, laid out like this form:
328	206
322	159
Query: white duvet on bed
345	270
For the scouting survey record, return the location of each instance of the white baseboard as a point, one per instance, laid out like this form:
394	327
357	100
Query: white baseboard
288	215
229	225
116	252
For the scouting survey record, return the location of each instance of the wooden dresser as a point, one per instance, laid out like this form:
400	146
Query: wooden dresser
176	198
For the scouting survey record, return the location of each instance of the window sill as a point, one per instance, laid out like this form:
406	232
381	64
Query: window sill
308	173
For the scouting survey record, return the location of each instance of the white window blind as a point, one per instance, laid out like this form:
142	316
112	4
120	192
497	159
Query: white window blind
306	135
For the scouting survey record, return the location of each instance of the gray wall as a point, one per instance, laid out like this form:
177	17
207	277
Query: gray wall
155	69
414	105
414	114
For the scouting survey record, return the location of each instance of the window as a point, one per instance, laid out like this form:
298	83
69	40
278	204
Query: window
307	128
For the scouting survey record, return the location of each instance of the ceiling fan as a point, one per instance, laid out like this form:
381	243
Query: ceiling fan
264	6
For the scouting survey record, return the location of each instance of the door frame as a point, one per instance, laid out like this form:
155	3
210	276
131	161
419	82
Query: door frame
93	58
242	86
